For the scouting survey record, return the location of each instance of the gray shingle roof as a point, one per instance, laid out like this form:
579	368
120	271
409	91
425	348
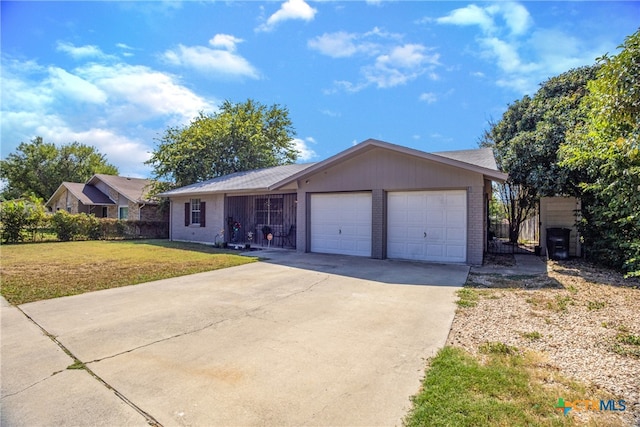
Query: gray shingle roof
134	189
87	194
480	157
259	179
269	178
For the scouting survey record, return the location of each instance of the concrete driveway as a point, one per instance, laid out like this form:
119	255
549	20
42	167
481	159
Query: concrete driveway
299	339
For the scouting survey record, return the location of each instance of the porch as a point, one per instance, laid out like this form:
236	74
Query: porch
266	220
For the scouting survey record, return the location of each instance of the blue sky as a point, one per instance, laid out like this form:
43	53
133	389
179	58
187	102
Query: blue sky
428	75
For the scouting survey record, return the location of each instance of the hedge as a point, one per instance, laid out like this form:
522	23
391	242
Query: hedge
64	227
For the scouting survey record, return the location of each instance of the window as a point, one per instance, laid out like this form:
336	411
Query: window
269	211
195	211
123	212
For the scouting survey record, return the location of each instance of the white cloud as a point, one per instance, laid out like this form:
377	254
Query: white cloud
524	56
469	15
74	87
394	64
515	16
305	153
335	45
400	65
330	113
140	93
507	56
289	10
217	62
123	107
81	52
428	97
225	41
126	153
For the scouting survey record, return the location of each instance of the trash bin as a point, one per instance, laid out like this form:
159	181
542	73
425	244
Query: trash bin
558	243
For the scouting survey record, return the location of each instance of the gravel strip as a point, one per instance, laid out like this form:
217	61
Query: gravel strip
578	316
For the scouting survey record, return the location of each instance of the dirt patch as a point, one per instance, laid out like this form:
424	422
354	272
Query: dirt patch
583	319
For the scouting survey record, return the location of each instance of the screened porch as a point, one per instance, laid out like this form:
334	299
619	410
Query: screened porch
251	219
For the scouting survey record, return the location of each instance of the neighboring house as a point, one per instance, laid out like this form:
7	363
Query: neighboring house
108	196
374	199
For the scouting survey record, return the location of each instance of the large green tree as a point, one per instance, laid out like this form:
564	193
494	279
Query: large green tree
239	137
605	153
526	142
38	168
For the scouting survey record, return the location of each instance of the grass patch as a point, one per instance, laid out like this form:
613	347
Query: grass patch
503	389
467	298
40	271
533	336
596	305
498	348
77	365
627	345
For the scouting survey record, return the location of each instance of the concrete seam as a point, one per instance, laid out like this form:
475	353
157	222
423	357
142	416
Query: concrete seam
245	314
150	419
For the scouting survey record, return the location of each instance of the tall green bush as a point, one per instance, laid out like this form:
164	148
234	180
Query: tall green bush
65	225
89	226
13	215
605	152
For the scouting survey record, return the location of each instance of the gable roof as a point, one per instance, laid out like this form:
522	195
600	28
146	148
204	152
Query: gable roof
86	194
483	157
479	160
254	180
268	179
134	189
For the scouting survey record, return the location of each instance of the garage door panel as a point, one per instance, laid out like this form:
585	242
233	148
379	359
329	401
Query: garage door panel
434	251
456	251
455	234
441	214
341	223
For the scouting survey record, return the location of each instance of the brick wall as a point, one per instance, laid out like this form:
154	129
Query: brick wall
475	225
378	224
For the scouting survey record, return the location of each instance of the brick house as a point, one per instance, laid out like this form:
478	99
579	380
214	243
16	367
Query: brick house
375	199
108	196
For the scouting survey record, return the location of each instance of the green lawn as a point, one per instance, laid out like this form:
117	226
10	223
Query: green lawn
32	272
500	387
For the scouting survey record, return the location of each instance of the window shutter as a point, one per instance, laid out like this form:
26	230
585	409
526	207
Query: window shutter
203	214
187	214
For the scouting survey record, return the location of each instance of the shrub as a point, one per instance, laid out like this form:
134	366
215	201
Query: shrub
65	225
13	215
89	226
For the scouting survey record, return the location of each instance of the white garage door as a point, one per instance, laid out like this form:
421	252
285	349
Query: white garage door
427	225
341	223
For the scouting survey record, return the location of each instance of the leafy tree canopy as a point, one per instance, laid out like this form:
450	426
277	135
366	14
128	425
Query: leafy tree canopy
238	137
527	138
526	141
605	153
38	168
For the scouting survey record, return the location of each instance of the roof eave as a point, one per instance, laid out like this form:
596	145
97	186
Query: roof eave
374	143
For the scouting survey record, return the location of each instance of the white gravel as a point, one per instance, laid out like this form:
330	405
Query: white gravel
580	313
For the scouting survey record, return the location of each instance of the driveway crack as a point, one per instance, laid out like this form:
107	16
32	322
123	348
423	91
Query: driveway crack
77	362
247	313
